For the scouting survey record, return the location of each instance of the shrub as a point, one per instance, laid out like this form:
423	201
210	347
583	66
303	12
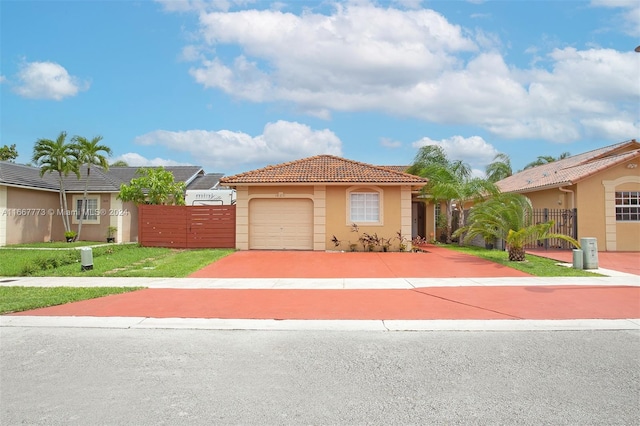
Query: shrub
28	269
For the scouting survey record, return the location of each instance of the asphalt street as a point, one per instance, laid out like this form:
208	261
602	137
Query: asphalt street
88	376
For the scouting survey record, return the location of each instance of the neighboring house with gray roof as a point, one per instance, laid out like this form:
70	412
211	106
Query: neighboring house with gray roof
30	206
207	181
301	205
603	185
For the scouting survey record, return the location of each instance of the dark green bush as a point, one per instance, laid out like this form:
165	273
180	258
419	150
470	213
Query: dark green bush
50	261
29	268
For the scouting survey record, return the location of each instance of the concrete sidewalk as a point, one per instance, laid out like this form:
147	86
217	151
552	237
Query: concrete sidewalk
615	279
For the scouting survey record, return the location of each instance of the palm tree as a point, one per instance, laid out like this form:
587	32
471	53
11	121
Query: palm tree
88	153
500	168
59	157
450	181
509	217
119	163
546	159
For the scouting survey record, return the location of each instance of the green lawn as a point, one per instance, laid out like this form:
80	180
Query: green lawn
17	299
534	265
129	260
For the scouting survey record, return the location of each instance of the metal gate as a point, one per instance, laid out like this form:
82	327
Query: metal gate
565	221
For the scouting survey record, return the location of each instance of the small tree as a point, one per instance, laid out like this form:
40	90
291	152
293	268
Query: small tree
154	186
508	217
8	153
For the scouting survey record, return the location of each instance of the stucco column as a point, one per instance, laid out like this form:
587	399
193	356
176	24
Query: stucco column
405	213
320	217
242	218
117	220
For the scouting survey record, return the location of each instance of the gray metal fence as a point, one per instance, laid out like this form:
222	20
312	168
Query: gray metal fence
565	221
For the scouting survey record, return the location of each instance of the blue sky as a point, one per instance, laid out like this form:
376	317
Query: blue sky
233	85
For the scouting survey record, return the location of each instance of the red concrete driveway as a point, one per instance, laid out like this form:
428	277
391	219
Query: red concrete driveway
436	262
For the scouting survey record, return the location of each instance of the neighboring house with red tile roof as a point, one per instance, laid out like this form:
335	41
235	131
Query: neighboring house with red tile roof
603	185
302	204
30	205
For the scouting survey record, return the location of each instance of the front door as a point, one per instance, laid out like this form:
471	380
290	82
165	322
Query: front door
418	222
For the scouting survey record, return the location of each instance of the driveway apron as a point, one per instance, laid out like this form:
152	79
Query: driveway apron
474	303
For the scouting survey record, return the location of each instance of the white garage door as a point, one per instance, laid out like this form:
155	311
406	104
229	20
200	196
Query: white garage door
281	224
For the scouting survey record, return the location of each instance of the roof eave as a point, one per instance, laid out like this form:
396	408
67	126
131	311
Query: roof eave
541	188
195	175
234	184
35	188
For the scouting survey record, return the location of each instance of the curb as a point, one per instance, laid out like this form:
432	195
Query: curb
135	323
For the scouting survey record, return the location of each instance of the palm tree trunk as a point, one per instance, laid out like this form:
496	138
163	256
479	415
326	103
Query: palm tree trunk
516	254
63	206
67	212
84	202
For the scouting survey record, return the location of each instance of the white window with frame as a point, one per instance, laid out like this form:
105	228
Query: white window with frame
365	206
91	211
627	206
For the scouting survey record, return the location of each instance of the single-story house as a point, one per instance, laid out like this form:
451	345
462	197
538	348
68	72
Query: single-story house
30	205
603	186
304	204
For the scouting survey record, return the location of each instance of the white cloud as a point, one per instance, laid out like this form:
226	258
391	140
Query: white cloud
353	59
616	130
411	63
390	143
201	5
134	159
224	150
474	150
629	17
409	4
190	53
3	79
47	80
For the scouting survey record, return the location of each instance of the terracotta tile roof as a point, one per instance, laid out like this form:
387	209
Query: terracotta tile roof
323	169
572	169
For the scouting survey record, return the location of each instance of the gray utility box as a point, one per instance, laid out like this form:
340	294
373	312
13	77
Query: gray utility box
578	258
86	258
590	250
